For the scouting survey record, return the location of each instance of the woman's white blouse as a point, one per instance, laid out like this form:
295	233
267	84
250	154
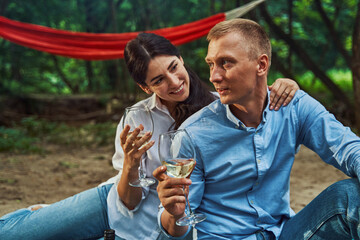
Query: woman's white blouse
139	223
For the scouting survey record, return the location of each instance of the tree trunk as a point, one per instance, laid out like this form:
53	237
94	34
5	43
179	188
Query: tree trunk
333	33
73	89
120	85
290	12
89	22
212	7
223	6
276	63
3	6
306	59
90	77
356	67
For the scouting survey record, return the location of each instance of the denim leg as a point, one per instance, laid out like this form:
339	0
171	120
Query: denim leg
332	215
265	235
82	216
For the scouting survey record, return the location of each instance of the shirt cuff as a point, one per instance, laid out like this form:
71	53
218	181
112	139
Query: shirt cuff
161	210
120	205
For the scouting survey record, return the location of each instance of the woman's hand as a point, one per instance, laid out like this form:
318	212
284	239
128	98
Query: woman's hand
132	145
282	92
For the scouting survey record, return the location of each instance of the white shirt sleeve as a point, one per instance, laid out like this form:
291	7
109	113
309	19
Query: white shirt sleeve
118	157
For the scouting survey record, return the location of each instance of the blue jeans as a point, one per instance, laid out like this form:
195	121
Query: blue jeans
82	216
333	215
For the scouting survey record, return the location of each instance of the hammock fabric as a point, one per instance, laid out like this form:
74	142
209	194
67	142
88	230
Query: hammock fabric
91	46
103	46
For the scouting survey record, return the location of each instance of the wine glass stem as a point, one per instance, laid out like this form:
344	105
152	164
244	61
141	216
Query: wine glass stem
141	170
187	201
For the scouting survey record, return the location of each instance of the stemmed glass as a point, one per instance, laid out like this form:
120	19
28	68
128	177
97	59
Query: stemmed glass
177	153
134	117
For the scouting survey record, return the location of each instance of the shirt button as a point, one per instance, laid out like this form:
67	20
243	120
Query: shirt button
258	161
252	202
256	183
237	127
258	222
242	125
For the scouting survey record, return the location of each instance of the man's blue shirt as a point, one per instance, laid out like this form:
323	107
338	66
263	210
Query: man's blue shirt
242	177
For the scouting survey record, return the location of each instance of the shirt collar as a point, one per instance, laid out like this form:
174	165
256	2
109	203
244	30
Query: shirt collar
153	101
238	123
231	116
156	103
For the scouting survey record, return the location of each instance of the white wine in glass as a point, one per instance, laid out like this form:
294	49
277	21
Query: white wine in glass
177	153
179	168
134	116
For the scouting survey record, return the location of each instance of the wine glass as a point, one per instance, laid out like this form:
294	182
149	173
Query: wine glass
177	153
134	116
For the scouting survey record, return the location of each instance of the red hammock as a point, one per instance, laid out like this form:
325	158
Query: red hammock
103	46
91	46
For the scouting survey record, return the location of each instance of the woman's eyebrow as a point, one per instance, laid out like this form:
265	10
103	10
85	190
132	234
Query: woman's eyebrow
154	78
171	64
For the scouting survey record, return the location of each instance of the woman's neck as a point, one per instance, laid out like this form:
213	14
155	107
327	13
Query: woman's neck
169	105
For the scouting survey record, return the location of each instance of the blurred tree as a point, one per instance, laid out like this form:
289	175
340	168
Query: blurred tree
308	36
356	65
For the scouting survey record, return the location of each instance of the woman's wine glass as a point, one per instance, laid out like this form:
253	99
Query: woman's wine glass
177	153
134	117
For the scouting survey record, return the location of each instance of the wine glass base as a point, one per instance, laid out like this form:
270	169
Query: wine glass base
142	182
191	219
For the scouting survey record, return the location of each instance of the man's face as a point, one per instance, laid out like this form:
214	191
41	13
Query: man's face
234	76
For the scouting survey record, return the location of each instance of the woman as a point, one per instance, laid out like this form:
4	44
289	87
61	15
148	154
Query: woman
156	66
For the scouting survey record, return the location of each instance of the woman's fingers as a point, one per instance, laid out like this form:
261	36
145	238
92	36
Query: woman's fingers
282	92
142	140
289	96
140	151
277	90
130	140
123	134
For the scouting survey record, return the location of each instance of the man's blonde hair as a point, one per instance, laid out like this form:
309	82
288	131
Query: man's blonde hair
254	35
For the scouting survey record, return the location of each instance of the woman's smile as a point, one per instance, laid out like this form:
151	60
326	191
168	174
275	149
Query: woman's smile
179	91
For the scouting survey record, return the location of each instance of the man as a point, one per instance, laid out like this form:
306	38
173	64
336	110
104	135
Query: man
245	152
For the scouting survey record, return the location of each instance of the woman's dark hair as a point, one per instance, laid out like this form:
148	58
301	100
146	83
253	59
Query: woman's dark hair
146	46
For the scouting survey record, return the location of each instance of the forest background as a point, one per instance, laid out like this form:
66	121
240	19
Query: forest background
57	112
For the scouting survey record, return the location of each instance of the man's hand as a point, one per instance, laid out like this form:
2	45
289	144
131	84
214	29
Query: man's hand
282	92
171	195
170	191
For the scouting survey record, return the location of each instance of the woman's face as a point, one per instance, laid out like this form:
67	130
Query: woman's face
168	79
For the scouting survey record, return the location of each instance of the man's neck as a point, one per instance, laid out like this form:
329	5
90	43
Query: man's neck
251	113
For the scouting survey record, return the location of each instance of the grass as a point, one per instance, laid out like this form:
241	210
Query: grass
28	135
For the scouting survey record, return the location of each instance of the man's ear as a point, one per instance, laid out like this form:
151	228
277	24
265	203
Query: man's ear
145	88
263	65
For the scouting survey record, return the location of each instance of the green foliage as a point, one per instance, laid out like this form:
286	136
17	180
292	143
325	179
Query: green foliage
16	140
27	71
29	135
